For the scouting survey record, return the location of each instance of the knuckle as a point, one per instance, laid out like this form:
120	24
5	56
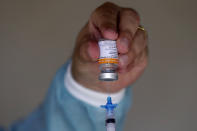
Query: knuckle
133	13
127	33
108	25
105	10
108	4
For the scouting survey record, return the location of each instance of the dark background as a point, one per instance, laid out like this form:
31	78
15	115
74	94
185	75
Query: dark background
37	37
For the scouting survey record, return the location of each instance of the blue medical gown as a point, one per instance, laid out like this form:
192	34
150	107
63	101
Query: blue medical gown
60	111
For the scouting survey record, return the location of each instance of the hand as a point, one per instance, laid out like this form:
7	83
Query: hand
110	21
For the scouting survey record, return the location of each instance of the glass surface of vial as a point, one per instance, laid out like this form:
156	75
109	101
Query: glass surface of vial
108	60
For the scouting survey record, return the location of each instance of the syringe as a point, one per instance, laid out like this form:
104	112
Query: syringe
110	117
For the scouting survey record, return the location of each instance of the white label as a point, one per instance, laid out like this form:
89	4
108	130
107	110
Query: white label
108	49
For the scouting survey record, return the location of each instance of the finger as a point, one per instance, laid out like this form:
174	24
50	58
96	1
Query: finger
129	22
140	58
138	46
139	42
89	50
135	71
140	62
93	50
86	48
104	21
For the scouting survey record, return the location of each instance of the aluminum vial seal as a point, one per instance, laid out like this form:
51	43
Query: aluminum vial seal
108	60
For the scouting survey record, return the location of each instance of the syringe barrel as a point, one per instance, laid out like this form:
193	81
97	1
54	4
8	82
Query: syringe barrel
110	127
110	124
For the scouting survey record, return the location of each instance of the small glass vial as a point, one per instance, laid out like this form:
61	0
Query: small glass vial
108	60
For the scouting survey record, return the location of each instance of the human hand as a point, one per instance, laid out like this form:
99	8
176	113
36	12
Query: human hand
112	22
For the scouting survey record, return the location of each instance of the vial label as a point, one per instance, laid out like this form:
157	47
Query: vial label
108	52
108	49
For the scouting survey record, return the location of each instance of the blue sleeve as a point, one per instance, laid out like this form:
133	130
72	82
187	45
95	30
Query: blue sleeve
60	111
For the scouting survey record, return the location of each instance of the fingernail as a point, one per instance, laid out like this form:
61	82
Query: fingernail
110	34
123	59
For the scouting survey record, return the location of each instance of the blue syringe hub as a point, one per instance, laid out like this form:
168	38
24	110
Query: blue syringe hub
109	106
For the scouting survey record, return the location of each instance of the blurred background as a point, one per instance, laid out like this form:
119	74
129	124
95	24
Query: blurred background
37	37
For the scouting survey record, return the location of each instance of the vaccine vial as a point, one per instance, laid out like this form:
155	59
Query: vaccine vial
108	60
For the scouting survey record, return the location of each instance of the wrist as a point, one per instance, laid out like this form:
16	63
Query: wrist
88	95
82	79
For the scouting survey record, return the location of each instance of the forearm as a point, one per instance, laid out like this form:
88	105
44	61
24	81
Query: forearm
65	110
